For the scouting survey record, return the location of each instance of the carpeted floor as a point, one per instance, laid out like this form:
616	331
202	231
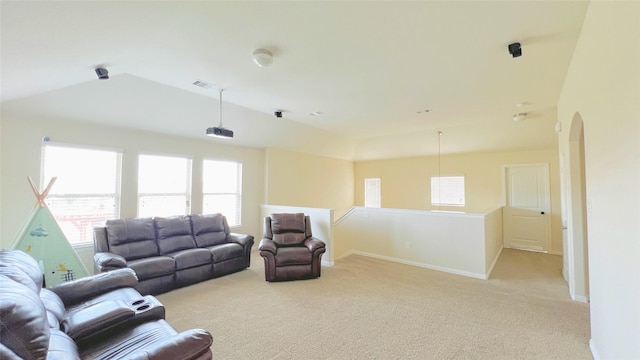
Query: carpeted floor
365	308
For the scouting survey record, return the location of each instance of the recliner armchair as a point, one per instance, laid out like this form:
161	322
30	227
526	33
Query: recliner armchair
289	250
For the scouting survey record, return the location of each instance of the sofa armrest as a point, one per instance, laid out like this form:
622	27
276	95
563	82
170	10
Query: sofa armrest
106	261
190	344
97	318
314	244
76	291
242	239
268	245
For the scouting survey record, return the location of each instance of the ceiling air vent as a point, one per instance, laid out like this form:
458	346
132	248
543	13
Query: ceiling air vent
202	84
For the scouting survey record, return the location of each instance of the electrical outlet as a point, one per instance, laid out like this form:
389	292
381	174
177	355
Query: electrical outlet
407	245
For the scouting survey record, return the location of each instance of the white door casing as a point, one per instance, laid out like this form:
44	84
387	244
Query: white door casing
527	218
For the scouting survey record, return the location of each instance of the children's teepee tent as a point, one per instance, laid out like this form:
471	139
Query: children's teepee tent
42	238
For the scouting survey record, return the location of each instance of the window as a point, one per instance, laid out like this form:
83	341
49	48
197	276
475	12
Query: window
164	186
222	189
372	193
87	190
447	190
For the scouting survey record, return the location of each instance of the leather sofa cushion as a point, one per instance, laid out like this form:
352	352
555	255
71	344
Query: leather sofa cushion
226	252
293	256
62	347
145	340
209	230
24	262
16	274
289	239
288	229
190	258
284	223
132	238
174	234
54	307
24	326
151	267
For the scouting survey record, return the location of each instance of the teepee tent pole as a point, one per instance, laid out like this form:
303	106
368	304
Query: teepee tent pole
36	191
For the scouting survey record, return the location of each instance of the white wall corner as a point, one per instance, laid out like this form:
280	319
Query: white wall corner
493	264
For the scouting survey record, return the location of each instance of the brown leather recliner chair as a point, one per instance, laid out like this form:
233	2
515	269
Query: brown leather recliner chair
289	250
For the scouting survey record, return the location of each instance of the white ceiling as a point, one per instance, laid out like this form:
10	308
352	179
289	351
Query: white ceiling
369	67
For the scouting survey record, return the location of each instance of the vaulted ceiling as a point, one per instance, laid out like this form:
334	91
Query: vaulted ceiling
372	69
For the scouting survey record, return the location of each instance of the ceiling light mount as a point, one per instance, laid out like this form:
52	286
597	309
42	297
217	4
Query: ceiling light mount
262	57
515	49
219	131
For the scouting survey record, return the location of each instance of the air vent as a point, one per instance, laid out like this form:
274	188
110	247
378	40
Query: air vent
202	84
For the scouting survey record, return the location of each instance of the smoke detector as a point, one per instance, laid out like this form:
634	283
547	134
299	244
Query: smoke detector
262	57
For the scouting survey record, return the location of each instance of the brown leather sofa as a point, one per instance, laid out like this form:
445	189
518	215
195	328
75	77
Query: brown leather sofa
97	317
171	252
289	250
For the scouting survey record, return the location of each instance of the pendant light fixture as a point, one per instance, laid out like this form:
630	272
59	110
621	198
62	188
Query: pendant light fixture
220	131
439	134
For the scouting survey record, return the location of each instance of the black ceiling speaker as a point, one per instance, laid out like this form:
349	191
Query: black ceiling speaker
103	74
515	50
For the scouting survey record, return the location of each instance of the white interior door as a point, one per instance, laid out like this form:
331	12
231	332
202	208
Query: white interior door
527	219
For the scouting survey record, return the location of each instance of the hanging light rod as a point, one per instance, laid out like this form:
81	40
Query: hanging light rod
219	131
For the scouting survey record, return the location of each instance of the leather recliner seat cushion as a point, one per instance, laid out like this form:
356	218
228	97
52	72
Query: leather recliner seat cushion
293	256
138	343
189	258
226	252
147	268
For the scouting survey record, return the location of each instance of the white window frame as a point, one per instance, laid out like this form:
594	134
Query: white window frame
448	190
64	216
184	193
372	196
234	219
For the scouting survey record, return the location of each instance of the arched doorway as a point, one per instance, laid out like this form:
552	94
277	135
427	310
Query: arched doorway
576	214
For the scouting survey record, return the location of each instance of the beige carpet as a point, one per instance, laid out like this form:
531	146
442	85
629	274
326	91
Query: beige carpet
365	308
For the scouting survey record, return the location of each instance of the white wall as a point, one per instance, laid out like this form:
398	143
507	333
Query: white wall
458	243
21	149
405	181
298	179
603	88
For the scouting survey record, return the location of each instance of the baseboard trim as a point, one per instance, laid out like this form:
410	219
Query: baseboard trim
422	265
559	253
580	298
495	261
594	352
327	263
